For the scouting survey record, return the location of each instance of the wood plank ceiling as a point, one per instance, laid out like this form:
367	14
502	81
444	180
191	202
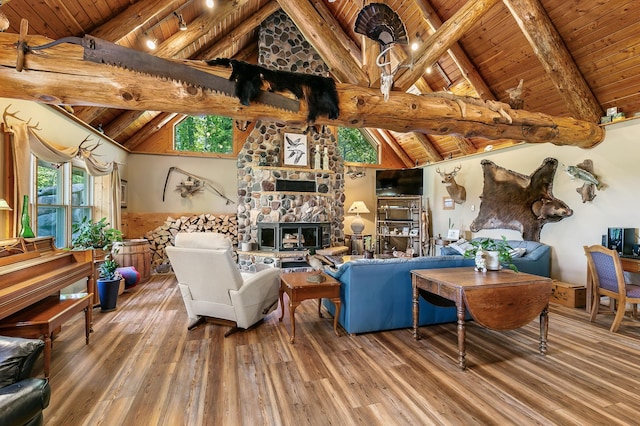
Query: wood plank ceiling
577	58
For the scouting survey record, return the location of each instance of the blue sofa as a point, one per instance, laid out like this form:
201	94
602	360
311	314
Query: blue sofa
376	293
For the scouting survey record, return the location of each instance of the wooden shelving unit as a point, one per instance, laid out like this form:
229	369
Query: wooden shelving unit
399	224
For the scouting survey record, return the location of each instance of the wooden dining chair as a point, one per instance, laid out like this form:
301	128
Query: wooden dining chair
608	280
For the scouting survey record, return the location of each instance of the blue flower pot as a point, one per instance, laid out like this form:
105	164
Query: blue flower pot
108	294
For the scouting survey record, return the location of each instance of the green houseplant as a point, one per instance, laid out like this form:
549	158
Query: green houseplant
94	235
108	283
494	252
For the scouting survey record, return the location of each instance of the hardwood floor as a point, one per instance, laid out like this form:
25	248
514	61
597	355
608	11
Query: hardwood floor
143	367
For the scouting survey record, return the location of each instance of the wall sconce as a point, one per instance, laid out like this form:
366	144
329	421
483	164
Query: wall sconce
4	205
355	172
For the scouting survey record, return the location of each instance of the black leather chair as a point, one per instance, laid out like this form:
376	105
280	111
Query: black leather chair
22	398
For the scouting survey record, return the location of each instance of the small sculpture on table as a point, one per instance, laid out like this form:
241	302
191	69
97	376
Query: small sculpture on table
318	267
481	261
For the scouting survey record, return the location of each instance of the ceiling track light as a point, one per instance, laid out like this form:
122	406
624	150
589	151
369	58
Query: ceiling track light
182	26
151	42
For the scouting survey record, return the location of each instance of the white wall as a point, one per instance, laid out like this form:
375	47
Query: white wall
361	189
616	163
147	174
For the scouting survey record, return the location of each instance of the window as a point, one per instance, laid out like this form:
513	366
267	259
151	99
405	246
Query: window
355	147
211	133
63	198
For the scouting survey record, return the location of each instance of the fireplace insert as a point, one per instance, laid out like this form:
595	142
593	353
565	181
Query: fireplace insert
283	236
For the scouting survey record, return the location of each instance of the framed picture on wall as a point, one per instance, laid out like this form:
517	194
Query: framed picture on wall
123	193
295	151
448	203
453	234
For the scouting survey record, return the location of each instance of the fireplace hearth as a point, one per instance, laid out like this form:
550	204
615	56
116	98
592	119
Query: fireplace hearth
287	236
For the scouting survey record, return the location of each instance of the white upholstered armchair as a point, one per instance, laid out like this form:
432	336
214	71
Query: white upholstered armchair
212	285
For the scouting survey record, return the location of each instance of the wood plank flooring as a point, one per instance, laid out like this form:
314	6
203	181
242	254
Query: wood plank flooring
143	367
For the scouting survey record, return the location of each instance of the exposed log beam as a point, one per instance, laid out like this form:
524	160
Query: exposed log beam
120	123
370	51
118	28
368	74
555	58
59	76
200	27
241	30
439	42
150	129
324	40
336	30
458	55
395	147
134	17
89	114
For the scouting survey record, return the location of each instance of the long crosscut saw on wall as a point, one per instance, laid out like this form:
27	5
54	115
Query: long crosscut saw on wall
104	52
193	184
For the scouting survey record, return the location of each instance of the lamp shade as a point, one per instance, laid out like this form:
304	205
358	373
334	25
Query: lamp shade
358	207
357	225
4	205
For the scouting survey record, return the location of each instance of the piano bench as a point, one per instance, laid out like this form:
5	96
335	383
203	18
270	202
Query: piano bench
42	319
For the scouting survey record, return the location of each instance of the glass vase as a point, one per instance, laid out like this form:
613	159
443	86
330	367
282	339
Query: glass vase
25	221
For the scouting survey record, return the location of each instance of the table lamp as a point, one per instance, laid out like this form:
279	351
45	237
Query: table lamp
357	225
4	205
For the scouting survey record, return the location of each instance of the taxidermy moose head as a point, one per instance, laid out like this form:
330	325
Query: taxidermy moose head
457	192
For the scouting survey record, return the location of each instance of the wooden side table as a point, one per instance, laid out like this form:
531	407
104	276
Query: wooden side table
297	287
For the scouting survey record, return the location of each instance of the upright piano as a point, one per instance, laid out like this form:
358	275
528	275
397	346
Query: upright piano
32	269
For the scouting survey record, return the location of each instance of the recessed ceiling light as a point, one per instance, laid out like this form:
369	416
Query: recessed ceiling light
209	3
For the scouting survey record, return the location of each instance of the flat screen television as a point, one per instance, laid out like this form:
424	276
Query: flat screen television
399	182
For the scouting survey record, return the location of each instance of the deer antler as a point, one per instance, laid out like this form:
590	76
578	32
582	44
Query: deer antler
33	127
6	114
455	170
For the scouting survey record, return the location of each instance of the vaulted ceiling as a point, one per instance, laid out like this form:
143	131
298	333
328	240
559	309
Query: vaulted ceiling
576	57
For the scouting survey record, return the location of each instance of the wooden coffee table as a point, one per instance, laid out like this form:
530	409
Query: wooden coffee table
498	300
297	287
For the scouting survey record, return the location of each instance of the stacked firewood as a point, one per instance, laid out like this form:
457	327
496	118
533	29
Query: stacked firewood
164	235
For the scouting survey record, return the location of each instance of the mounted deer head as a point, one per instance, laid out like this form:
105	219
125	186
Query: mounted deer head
457	192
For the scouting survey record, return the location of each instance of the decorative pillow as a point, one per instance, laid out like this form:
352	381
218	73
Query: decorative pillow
447	250
518	252
461	246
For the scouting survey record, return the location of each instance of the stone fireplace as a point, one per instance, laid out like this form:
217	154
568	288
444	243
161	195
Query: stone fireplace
269	191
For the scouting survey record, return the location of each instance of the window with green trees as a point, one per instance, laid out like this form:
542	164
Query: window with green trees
355	147
211	133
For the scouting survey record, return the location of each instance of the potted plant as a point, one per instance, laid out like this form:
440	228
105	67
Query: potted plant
108	283
491	253
94	235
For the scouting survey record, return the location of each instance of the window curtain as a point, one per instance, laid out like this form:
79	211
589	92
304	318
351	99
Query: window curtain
27	141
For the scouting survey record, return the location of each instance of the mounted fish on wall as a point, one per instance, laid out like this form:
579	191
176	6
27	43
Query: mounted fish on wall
584	172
